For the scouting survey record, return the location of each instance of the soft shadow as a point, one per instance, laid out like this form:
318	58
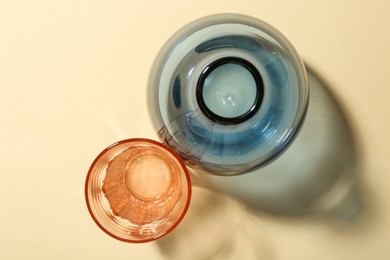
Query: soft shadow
216	227
317	175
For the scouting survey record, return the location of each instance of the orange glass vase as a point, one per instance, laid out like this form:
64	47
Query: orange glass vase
137	190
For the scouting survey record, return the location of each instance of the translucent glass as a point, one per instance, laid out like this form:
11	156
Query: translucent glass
137	190
228	93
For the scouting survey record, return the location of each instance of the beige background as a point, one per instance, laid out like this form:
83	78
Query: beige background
73	78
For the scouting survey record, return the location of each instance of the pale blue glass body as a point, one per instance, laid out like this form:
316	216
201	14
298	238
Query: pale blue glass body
228	93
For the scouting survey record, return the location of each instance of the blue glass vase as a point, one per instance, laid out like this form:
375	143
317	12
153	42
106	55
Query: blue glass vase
228	93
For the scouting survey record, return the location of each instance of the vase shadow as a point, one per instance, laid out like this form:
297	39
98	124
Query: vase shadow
318	173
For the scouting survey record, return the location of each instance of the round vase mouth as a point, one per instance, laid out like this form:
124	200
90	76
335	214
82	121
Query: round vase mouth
228	93
137	190
229	90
